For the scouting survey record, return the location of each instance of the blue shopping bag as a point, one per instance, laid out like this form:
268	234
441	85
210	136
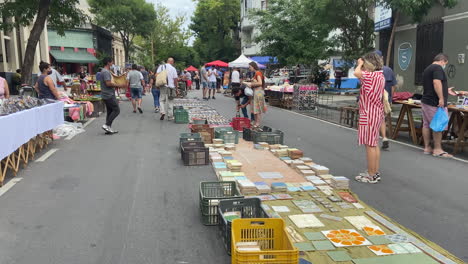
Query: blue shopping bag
440	120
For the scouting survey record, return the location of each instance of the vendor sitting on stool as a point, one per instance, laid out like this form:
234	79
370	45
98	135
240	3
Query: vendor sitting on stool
45	86
238	93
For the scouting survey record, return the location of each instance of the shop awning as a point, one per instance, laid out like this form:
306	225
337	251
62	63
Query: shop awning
70	56
265	59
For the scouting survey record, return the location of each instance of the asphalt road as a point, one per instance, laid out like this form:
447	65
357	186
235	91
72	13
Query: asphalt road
127	198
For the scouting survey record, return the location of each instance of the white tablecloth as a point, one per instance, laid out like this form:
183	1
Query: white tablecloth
18	128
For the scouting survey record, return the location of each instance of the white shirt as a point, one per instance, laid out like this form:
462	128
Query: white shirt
235	77
212	75
56	76
171	74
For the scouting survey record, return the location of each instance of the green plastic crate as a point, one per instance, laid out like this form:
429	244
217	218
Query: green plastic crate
273	137
185	137
229	137
210	194
220	130
181	116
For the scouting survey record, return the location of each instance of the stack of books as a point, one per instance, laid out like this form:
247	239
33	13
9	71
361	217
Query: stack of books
219	166
300	168
234	165
262	188
307	161
230	147
319	169
264	145
296	163
295	153
308	172
278	187
247	187
340	182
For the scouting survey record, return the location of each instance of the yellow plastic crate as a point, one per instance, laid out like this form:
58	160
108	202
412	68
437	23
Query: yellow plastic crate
272	238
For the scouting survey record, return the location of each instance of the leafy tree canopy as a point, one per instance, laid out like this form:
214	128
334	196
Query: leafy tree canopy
417	10
129	18
215	24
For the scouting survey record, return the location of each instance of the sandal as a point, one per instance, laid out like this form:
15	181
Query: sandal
443	155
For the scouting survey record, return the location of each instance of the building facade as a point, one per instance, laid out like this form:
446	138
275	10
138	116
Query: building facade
116	49
13	47
248	28
415	45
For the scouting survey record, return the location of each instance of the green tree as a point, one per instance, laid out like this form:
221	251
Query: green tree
59	14
417	10
215	24
303	31
292	32
353	24
167	39
128	18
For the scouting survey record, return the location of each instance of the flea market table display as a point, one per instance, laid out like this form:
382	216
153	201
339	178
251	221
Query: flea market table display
458	121
280	95
272	204
26	127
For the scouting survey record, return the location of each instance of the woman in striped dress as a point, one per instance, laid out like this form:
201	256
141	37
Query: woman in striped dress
371	112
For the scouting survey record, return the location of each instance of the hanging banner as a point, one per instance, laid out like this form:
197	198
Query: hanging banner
382	17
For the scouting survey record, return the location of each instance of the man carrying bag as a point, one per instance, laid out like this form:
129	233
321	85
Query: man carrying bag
166	80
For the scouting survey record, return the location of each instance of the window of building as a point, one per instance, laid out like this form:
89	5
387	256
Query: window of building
263	4
429	43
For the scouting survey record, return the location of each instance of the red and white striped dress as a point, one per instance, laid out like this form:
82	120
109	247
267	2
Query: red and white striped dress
371	109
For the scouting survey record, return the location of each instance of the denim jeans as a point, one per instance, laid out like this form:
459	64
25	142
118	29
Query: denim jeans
245	99
155	93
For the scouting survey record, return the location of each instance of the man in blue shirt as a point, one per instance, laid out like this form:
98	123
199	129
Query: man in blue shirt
390	86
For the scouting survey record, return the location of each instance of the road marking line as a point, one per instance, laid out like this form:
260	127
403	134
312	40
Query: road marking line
89	122
46	155
9	185
352	129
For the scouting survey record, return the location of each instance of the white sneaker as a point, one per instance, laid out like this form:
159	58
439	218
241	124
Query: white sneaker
106	128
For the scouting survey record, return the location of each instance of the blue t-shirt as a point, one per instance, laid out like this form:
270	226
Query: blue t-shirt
390	81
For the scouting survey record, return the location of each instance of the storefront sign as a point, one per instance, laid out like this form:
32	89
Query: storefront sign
405	54
382	17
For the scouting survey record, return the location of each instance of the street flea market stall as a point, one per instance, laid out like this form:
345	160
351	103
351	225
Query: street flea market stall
272	204
26	127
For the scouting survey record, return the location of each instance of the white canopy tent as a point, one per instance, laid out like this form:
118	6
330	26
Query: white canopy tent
241	62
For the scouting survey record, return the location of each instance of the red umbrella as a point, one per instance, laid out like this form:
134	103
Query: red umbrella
191	69
217	63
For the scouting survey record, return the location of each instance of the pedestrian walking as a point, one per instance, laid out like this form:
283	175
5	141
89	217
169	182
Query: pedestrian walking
257	85
155	91
434	96
145	74
371	112
168	91
188	77
390	86
108	96
204	81
212	75
136	81
196	78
